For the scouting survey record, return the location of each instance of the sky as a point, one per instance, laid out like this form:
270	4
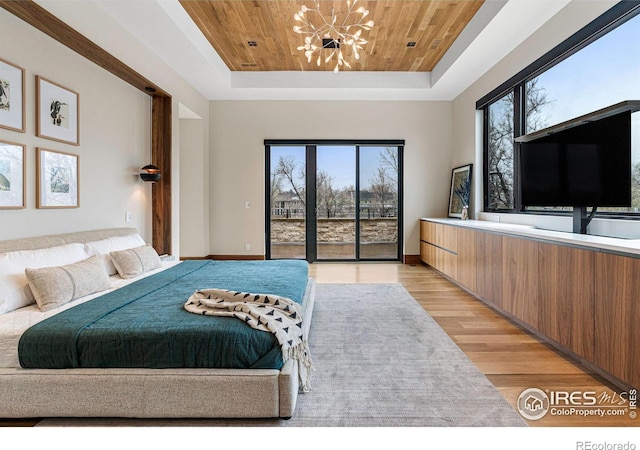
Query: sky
602	74
338	161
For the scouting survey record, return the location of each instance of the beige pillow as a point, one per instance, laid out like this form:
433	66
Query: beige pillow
103	247
55	286
136	261
14	286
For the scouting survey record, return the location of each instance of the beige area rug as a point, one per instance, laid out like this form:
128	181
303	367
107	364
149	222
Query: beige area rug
381	361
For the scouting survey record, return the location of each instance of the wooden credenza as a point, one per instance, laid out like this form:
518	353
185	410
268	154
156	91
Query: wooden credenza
585	301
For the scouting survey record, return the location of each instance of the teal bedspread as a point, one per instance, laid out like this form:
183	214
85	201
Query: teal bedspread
144	324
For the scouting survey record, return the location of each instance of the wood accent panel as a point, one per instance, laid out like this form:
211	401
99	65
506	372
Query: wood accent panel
230	24
466	261
617	316
427	237
489	267
446	262
446	236
566	295
427	231
520	279
161	157
438	244
43	20
427	253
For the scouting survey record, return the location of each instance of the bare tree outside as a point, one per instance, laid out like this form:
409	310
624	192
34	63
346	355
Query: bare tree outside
537	103
389	161
329	200
500	177
287	171
383	191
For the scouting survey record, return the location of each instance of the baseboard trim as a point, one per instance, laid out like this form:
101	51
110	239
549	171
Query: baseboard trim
193	258
236	257
412	259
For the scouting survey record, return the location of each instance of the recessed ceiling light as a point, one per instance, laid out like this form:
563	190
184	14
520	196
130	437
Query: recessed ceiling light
252	43
411	44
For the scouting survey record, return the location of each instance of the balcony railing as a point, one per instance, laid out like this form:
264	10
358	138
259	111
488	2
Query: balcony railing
343	213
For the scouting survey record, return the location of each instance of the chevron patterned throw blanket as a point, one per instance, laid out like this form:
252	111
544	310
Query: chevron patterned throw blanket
278	315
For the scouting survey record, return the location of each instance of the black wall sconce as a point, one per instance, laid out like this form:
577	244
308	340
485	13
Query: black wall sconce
150	173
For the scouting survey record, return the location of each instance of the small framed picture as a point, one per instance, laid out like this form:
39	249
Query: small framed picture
460	192
57	181
57	112
12	111
12	175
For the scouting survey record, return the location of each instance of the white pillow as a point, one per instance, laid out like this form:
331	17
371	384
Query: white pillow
55	286
104	247
14	287
136	261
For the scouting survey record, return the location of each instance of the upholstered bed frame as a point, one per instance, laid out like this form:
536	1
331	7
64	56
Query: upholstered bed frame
149	393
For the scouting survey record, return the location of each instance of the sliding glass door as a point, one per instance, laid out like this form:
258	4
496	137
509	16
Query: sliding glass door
336	202
287	202
328	201
379	202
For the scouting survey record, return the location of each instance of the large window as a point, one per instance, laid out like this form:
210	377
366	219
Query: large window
596	68
334	201
500	176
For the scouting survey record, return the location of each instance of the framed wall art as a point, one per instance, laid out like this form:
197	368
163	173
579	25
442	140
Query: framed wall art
460	193
57	112
12	111
12	175
57	180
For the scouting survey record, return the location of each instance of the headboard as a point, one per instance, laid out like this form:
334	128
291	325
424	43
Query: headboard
53	240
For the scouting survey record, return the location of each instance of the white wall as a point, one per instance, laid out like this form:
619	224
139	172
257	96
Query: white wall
238	130
114	139
194	189
467	137
113	147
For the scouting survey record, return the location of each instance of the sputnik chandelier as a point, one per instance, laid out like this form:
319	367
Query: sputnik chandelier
328	35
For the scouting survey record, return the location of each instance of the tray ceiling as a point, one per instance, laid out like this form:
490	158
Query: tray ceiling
230	26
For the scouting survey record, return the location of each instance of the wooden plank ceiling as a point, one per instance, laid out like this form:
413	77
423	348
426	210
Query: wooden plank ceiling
230	25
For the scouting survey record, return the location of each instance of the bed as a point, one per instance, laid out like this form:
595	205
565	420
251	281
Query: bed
150	387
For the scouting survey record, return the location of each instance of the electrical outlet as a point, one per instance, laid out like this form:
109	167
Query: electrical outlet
496	218
247	247
247	205
127	217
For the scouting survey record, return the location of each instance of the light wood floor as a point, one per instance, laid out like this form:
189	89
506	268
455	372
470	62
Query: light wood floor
512	359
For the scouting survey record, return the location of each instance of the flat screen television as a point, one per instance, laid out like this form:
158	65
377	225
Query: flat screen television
588	165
